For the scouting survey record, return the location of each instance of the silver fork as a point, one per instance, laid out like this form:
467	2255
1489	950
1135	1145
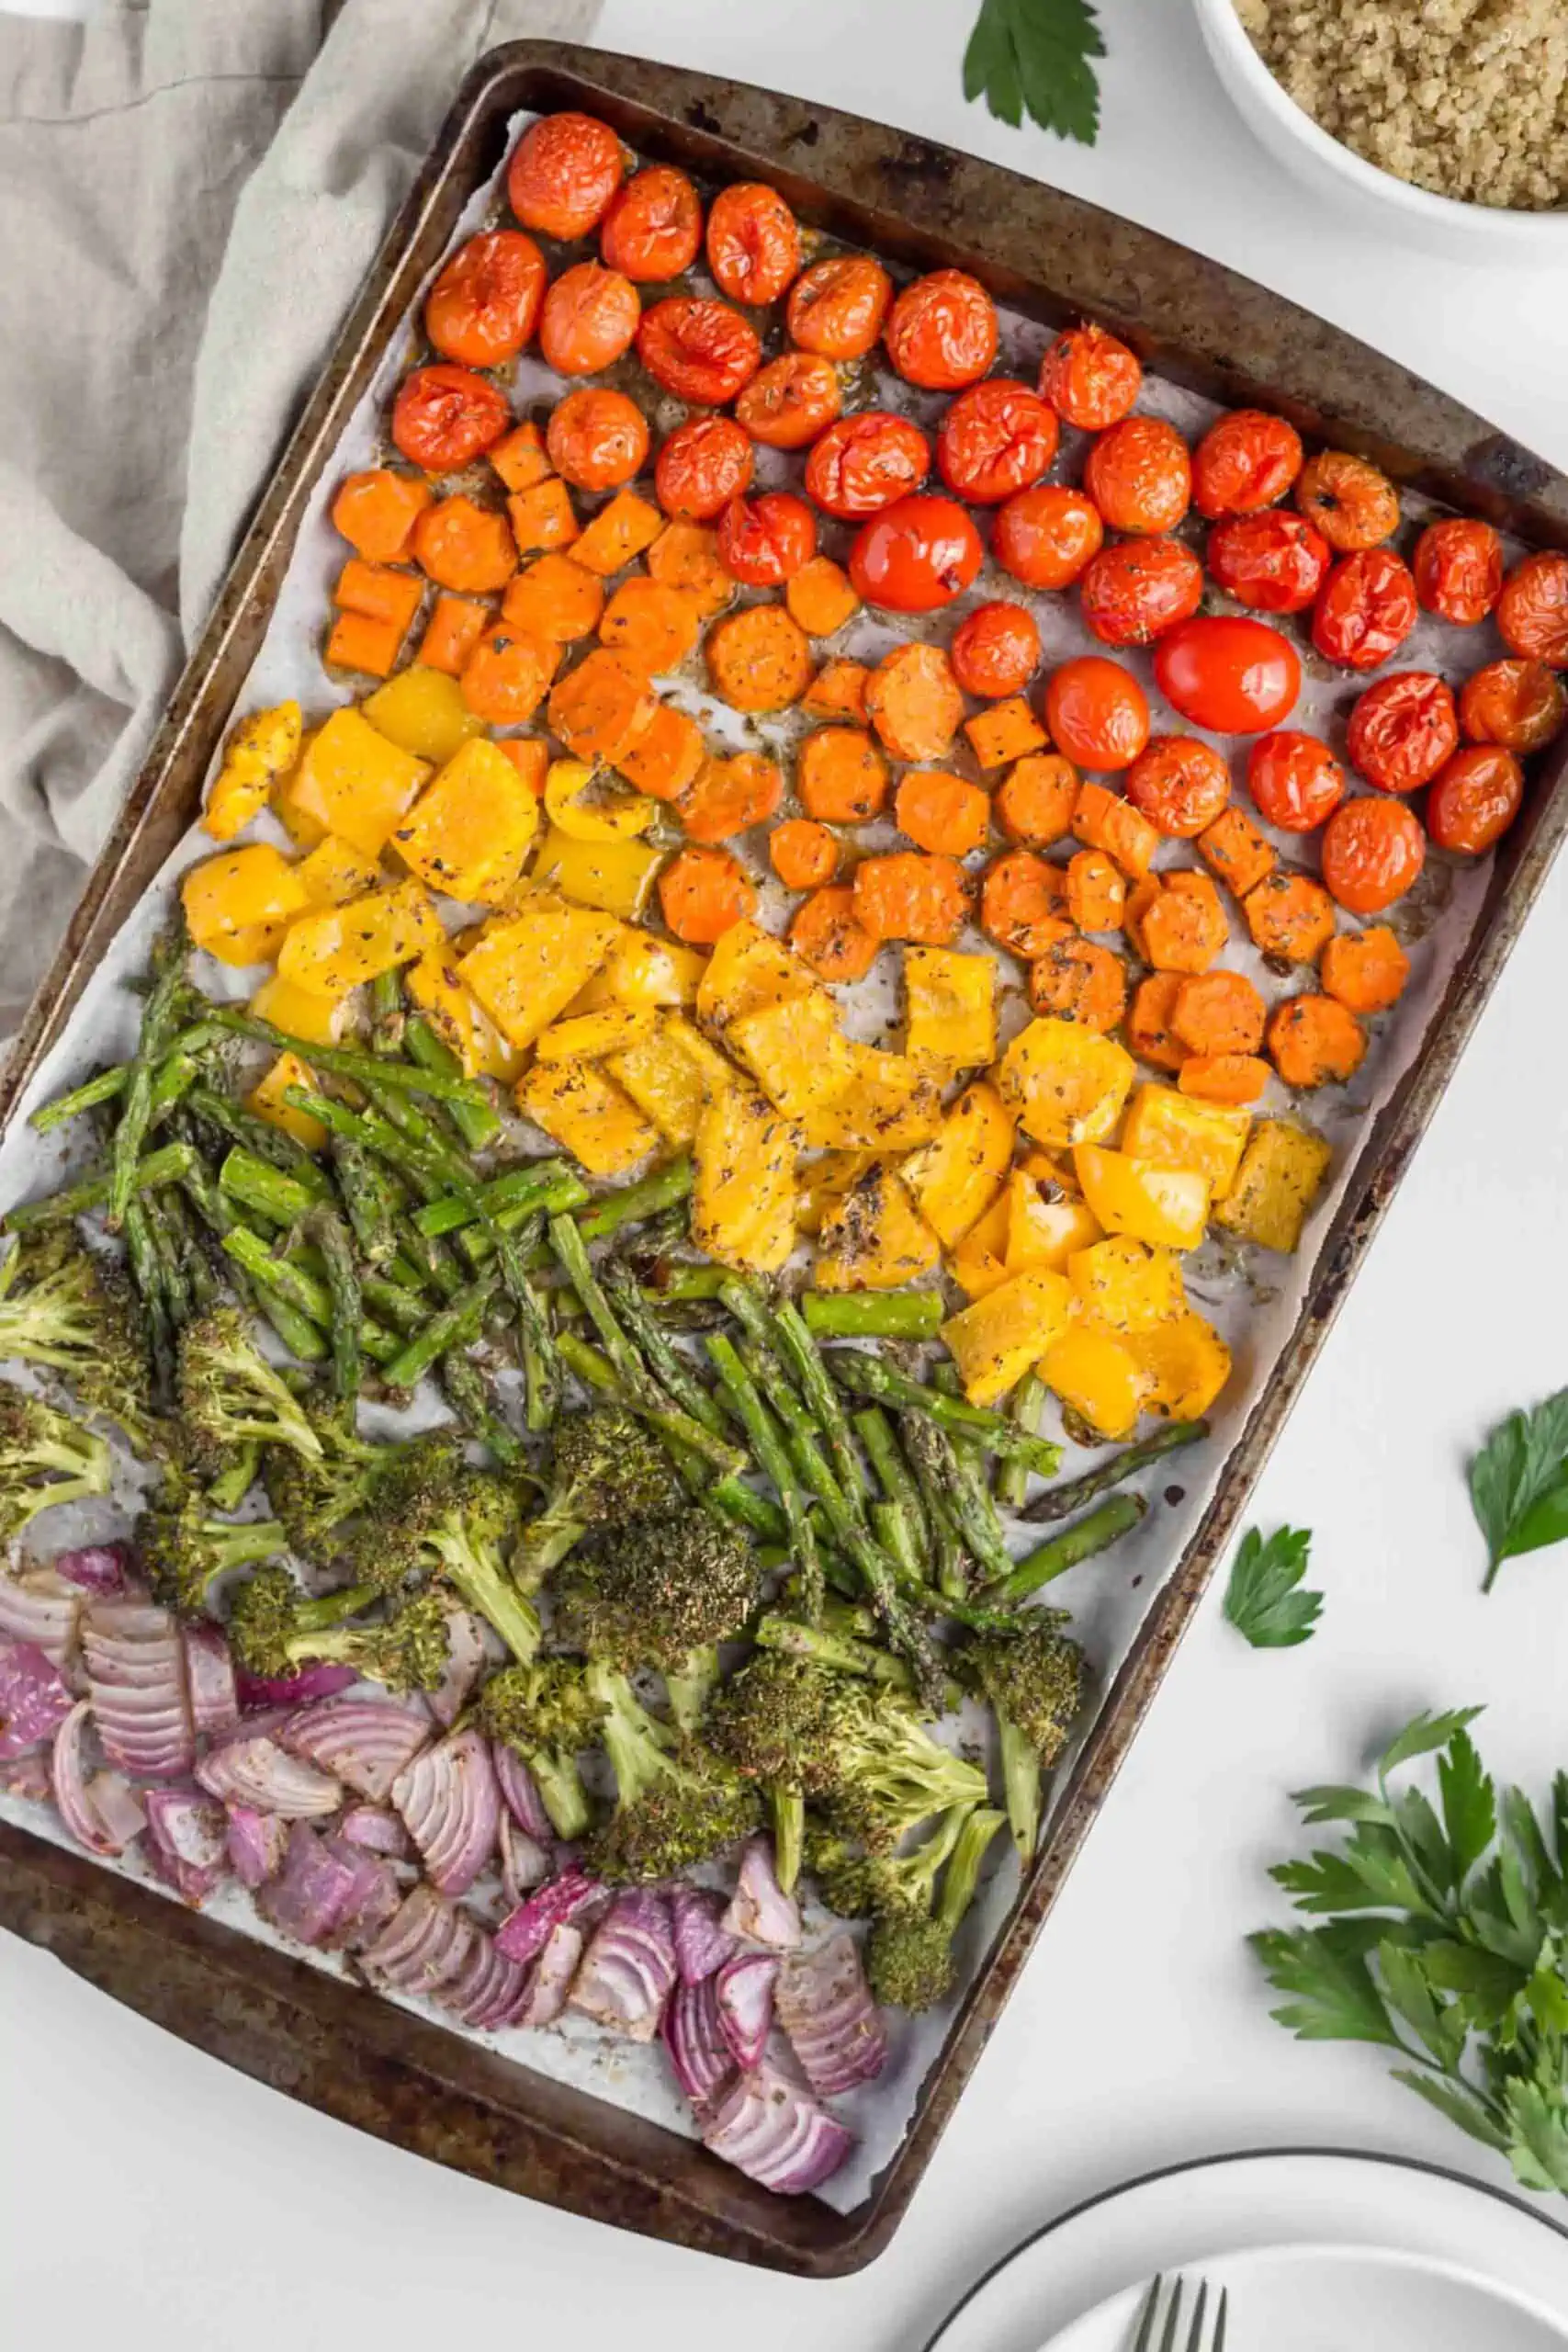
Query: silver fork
1197	2338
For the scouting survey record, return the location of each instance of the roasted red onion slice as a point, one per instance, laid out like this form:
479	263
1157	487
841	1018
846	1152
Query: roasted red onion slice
521	1792
43	1608
118	1806
450	1801
528	1929
774	2132
703	1942
295	1690
701	2056
136	1680
490	1989
465	1656
314	1891
209	1678
253	1769
365	1743
525	1864
378	1829
25	1776
630	1968
552	1979
426	1944
68	1778
34	1700
372	1898
257	1844
744	1992
834	2026
188	1842
105	1568
761	1912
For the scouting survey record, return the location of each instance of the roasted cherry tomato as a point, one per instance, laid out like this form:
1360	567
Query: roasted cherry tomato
1295	781
1179	783
1532	612
563	175
596	439
1373	849
1275	562
1458	566
1402	729
444	418
838	308
1245	462
1090	378
1365	610
1139	474
996	438
653	230
916	556
1351	503
485	305
942	332
1521	705
753	242
995	651
590	318
766	541
1474	798
705	464
863	462
791	400
1096	712
1134	590
1233	675
700	351
1046	536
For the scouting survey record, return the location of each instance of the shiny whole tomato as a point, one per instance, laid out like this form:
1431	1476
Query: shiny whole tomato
1474	799
705	464
1402	729
753	242
838	308
1352	504
766	541
700	351
1245	462
942	332
653	230
1295	779
1046	536
1134	590
1365	609
791	400
998	437
1181	785
995	651
596	440
1458	566
1521	705
590	318
1090	377
444	418
1139	474
485	305
1096	712
1532	611
863	462
1233	675
563	175
916	556
1373	850
1274	562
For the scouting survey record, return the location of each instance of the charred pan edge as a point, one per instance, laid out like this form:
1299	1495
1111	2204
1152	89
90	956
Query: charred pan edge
1049	257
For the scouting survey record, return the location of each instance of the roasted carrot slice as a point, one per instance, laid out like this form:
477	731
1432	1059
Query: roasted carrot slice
912	896
1365	969
379	593
828	933
837	691
1009	731
841	776
1150	1031
376	513
520	460
507	676
600	709
654	626
685	555
760	659
728	797
1289	915
1035	801
1315	1042
1023	903
942	812
704	893
1184	929
543	517
1096	892
1102	820
455	627
1077	979
1233	849
915	703
664	758
1140	898
1235	1079
1219	1012
803	853
555	599
618	534
358	642
820	597
464	546
530	755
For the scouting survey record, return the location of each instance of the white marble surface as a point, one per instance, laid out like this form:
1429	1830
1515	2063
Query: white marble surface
153	2197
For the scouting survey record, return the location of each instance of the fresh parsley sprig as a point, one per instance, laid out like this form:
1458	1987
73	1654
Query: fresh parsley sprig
1264	1600
1443	1938
1033	56
1518	1483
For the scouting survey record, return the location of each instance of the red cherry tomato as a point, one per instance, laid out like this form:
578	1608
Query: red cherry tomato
1274	562
916	556
1245	462
1373	849
590	318
596	439
1096	712
1179	783
1090	378
1295	781
1521	705
700	351
837	308
653	231
1532	611
1133	591
1474	799
1402	729
996	651
1046	536
766	541
791	400
1458	566
753	242
563	175
485	305
1139	474
863	462
941	331
705	464
444	418
996	438
1233	675
1365	610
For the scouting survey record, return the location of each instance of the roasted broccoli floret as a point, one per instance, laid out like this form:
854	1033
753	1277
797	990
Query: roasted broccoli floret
468	1537
271	1623
45	1458
63	1308
314	1495
654	1592
858	1884
677	1802
1033	1678
184	1552
229	1396
548	1713
909	1958
777	1719
386	1543
887	1774
606	1469
405	1650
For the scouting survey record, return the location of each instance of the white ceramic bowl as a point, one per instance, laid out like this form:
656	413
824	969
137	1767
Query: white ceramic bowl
1440	223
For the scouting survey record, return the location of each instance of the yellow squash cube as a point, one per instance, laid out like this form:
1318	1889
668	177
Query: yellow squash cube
334	949
1044	1224
471	830
335	872
587	1114
873	1237
979	1264
641	969
317	1019
263	747
1177	1130
951	1003
432	984
1065	1083
529	967
1007	1332
1167	1207
747	971
797	1052
743	1196
824	1183
1279	1180
615	876
668	1076
265	1099
954	1177
1099	1376
1185	1363
241	901
422	711
590	1036
1123	1285
354	782
892	1104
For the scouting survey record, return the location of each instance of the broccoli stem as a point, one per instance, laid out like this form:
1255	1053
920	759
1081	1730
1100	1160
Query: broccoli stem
661	1190
664	1360
1060	1502
1113	1519
160	1015
873	1314
643	1393
546	1185
228	1490
259	1135
876	1433
687	1286
257	1184
787	1813
963	1873
1027	1404
693	1687
868	1375
482	1586
479	1124
561	1792
1020	1785
349	1061
455	1325
331	1236
367	1199
470	1397
772	1456
167	1165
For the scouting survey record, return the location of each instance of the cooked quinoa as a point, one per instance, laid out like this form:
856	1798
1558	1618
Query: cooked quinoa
1466	97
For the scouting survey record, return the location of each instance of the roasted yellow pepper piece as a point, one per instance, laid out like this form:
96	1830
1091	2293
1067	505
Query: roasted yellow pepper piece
262	748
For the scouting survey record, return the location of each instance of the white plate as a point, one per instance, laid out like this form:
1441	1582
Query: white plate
1231	2214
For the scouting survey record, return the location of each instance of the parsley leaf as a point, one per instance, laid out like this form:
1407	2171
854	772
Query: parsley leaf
1518	1483
1031	56
1263	1602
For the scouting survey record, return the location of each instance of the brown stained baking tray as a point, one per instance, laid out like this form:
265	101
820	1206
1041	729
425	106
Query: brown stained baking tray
1050	257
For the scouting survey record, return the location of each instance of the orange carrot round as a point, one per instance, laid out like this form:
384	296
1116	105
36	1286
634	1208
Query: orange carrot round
1219	1012
1235	1079
841	776
376	513
1366	970
555	600
912	896
704	893
820	597
465	547
1184	928
1023	903
1289	915
914	702
1149	1031
505	677
828	934
1096	892
653	625
602	707
804	853
1315	1042
760	659
727	796
1077	979
685	555
1034	802
942	812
